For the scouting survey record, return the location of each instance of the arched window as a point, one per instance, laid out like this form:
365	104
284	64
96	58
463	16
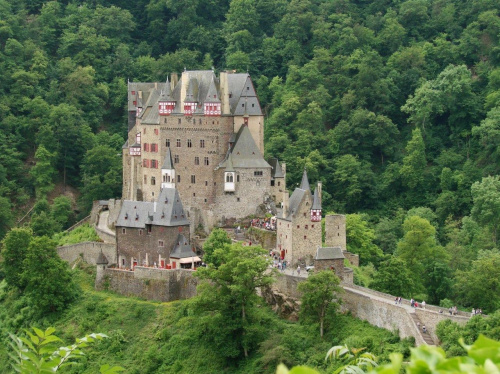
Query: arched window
229	178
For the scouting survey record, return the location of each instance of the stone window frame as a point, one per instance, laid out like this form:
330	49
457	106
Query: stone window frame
176	159
124	231
153	181
258	173
193	179
161	243
178	143
140	232
305	237
196	160
167	143
306	227
189	143
178	178
206	161
202	143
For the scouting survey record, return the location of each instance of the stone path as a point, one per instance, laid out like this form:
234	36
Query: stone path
103	223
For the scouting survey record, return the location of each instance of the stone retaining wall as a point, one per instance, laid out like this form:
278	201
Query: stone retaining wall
265	238
430	319
381	314
88	251
150	283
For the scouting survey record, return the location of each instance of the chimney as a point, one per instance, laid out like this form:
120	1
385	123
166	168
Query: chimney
140	94
320	186
283	168
154	207
156	85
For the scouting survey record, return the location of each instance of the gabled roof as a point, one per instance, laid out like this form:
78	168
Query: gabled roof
229	164
276	172
316	200
294	202
166	92
304	185
329	253
212	95
192	91
167	211
245	153
182	248
167	163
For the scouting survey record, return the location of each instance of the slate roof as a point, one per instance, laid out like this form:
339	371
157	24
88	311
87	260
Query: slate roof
304	185
276	172
182	248
329	253
166	92
125	146
166	211
167	164
245	153
294	202
203	85
316	200
101	259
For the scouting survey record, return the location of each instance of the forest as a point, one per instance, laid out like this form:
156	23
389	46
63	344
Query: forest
393	104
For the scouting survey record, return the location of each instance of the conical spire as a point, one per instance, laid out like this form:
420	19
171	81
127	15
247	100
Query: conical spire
167	164
166	93
304	185
212	96
316	200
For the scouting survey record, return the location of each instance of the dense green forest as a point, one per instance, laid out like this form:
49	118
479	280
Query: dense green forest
393	105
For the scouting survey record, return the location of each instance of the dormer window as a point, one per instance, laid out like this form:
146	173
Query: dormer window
126	215
137	217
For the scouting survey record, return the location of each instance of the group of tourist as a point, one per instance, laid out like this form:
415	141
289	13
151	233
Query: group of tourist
476	311
415	304
278	262
264	223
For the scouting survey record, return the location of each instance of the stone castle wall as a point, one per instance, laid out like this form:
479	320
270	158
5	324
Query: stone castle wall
335	235
352	258
150	283
381	314
431	318
266	238
88	251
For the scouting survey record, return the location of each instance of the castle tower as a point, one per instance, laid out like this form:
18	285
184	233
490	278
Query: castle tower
168	171
316	207
102	264
335	235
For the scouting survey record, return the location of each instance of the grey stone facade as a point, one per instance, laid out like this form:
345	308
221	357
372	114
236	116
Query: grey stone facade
200	142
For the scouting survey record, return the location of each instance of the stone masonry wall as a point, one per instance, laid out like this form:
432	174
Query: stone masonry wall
431	318
381	314
266	238
335	235
306	234
88	251
150	283
352	258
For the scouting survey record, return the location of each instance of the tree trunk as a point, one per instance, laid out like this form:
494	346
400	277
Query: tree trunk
321	319
243	317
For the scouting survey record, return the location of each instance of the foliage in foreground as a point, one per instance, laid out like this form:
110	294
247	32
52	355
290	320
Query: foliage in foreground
483	357
39	354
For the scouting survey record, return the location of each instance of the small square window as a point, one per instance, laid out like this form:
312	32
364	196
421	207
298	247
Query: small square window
178	178
176	159
305	236
140	232
160	243
238	199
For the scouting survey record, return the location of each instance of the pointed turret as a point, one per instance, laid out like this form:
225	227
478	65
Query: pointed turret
316	207
168	171
212	104
166	103
304	185
190	102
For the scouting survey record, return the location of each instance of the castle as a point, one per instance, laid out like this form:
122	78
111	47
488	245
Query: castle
202	135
